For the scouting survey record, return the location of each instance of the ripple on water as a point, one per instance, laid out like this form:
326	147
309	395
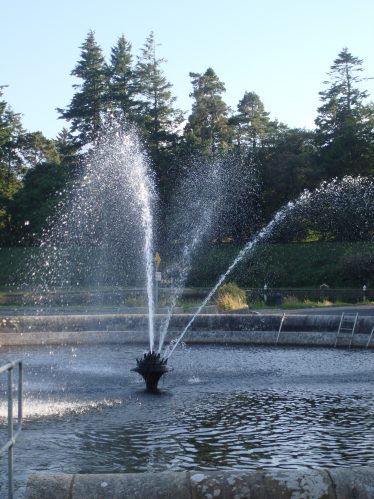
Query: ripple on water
244	430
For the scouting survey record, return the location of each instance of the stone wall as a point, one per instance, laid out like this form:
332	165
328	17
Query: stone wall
334	483
316	330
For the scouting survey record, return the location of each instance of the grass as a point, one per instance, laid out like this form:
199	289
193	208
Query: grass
306	304
297	265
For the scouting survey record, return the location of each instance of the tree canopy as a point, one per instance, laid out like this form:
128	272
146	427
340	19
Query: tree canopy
273	162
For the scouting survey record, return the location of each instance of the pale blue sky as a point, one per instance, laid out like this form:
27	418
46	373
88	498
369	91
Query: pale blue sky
281	50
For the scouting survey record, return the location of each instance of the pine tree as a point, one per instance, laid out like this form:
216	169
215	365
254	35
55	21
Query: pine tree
11	132
208	129
251	123
344	123
65	146
37	149
158	117
84	111
122	87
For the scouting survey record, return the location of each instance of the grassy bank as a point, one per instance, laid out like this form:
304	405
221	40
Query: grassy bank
302	265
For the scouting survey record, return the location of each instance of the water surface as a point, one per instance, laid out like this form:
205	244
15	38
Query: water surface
222	407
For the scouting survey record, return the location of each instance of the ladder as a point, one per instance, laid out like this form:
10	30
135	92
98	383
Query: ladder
369	340
347	327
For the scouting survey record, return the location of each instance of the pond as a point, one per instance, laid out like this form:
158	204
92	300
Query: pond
221	407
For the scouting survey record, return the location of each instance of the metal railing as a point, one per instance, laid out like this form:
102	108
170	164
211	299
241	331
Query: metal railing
12	434
280	327
369	340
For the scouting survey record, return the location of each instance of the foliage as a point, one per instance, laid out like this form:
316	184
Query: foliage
122	87
293	265
231	297
89	101
37	149
287	166
269	163
344	122
340	210
10	160
252	124
31	206
158	118
297	265
208	128
357	267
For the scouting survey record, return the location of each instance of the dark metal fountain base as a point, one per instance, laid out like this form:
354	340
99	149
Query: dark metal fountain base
151	367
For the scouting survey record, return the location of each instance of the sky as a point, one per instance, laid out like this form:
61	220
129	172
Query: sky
282	50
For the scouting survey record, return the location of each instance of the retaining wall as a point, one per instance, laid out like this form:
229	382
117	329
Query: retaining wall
334	483
318	330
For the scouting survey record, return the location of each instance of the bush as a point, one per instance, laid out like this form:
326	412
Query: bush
231	297
291	301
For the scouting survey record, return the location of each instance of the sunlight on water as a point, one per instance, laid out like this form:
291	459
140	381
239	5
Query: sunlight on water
38	409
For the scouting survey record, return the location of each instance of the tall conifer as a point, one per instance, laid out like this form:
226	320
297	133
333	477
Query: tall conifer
122	86
159	119
208	129
84	111
344	122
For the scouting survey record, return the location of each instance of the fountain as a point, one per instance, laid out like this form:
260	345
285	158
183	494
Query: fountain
111	207
232	407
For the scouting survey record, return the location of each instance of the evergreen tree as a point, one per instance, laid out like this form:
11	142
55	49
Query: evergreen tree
287	167
122	86
10	159
84	111
37	149
251	123
344	123
208	129
41	191
158	118
65	147
11	132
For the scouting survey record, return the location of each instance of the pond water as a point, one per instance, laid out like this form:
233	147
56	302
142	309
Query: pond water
222	407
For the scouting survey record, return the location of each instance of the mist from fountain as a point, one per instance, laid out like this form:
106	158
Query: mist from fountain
266	231
107	214
206	201
195	209
342	198
110	207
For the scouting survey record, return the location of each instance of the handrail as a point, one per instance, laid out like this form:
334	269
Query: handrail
280	327
371	335
12	435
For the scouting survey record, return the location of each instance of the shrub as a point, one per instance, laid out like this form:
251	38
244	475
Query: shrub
135	301
325	303
231	297
291	301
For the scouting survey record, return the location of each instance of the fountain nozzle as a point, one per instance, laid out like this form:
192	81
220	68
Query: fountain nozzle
151	367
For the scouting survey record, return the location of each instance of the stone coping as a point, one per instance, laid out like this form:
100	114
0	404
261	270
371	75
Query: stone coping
334	483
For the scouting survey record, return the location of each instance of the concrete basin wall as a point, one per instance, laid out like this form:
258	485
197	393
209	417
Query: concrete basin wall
316	330
334	483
